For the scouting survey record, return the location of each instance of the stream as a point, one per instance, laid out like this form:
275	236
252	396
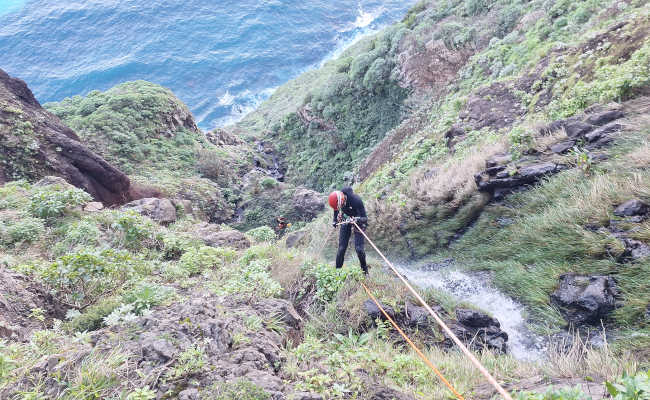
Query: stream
476	289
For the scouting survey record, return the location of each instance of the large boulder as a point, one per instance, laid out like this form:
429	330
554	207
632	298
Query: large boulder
160	210
585	299
35	143
308	202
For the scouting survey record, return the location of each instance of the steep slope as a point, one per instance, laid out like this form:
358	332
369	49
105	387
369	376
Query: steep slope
151	135
34	143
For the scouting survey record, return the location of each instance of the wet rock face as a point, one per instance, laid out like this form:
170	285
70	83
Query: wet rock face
596	128
45	146
585	299
476	329
499	178
480	330
162	211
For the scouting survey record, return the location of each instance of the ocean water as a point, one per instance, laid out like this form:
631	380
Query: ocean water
222	59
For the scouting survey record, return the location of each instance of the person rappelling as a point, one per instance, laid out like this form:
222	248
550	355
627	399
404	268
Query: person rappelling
349	207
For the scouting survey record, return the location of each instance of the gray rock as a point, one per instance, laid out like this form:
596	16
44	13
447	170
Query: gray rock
160	210
305	396
631	208
475	319
94	206
281	308
308	202
585	299
496	178
374	312
189	394
159	350
605	117
603	132
234	239
647	312
381	392
575	129
295	238
416	316
562	147
498	160
635	249
53	180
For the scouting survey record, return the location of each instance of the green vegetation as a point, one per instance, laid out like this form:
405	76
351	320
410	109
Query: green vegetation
132	126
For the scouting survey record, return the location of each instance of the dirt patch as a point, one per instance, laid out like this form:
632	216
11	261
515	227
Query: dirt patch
24	306
494	107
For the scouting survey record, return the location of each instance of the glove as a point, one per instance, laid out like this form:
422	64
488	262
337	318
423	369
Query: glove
334	224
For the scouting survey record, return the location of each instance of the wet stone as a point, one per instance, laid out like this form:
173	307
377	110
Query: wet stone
374	312
634	207
562	147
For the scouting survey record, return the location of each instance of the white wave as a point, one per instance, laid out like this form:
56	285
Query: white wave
240	105
226	100
364	18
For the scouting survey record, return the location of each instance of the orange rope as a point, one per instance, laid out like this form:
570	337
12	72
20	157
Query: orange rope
440	322
422	356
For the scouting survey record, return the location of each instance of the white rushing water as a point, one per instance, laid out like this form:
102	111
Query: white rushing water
478	291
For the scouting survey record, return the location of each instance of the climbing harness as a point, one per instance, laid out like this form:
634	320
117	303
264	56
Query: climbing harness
435	316
410	342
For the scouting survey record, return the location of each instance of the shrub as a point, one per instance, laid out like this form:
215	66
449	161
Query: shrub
82	233
561	394
81	278
196	260
93	317
239	390
26	229
329	280
146	295
476	7
174	246
253	278
53	201
268	183
635	387
262	234
134	230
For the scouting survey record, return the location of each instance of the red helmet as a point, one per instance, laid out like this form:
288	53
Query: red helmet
336	199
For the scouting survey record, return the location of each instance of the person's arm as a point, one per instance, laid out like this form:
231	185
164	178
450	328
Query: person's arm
335	220
363	218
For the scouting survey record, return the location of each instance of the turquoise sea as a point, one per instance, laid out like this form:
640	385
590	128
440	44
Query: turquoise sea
221	58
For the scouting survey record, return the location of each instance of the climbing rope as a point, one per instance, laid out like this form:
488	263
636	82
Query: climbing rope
439	320
409	341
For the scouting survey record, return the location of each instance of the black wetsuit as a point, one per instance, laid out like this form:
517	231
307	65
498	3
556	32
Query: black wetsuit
353	208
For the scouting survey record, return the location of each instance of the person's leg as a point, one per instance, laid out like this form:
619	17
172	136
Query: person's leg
344	238
359	242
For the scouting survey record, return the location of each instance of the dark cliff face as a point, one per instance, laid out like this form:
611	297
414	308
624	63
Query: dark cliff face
34	143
